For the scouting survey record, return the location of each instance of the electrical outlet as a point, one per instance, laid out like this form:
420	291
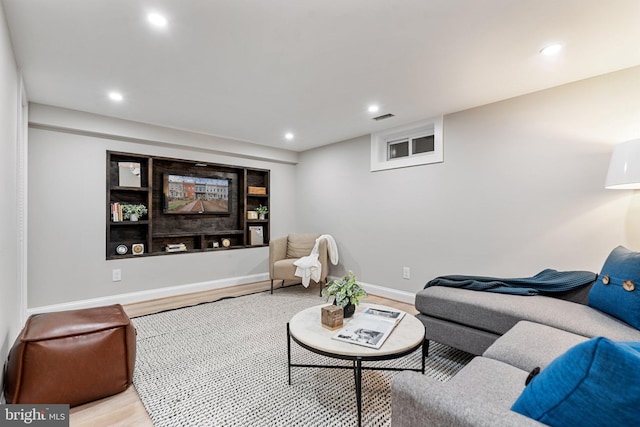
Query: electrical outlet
116	275
406	273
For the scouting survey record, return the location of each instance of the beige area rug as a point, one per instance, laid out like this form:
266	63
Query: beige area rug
225	364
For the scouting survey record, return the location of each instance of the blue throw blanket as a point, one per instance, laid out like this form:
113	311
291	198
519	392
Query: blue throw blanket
547	281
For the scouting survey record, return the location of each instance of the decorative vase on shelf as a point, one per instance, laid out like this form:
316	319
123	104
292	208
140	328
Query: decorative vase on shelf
133	212
262	211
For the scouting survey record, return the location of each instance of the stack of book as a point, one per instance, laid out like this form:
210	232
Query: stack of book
175	247
116	212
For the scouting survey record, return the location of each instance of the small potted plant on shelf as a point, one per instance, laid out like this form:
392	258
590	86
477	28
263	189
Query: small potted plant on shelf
133	212
347	293
262	211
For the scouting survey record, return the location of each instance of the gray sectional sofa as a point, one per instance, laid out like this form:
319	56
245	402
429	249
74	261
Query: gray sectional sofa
511	335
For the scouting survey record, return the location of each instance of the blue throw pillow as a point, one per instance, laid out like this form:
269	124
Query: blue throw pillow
617	289
595	383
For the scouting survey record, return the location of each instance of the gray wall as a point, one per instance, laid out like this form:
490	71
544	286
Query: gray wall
67	208
521	189
9	83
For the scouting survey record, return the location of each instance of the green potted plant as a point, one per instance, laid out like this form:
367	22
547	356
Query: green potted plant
347	293
262	211
133	212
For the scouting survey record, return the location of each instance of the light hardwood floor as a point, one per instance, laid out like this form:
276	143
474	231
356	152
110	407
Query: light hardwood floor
126	409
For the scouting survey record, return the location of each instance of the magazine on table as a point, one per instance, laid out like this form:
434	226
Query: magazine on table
371	327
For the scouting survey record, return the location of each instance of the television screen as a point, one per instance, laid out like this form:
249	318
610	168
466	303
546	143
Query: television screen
196	195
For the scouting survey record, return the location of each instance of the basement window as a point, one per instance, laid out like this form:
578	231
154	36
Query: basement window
398	149
410	147
416	144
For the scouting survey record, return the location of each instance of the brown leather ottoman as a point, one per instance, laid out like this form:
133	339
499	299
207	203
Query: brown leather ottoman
71	357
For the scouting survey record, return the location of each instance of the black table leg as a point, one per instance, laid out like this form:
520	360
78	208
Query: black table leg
358	371
289	352
357	364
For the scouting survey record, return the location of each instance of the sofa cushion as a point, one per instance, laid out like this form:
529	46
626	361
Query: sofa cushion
593	384
529	345
497	313
299	245
478	395
617	290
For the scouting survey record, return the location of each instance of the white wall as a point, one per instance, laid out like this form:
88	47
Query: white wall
67	196
521	189
9	83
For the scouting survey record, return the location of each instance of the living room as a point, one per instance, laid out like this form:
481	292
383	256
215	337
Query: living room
521	188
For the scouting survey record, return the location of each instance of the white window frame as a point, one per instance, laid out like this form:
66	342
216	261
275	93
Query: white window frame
380	142
396	142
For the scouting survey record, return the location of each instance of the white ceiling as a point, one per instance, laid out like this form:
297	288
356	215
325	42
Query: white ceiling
254	69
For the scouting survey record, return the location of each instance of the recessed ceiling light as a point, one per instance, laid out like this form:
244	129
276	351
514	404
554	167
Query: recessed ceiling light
115	96
157	19
552	49
288	136
373	108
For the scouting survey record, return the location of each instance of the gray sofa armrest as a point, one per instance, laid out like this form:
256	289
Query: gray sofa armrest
479	395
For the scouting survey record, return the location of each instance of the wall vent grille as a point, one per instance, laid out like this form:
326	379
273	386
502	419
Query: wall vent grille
384	116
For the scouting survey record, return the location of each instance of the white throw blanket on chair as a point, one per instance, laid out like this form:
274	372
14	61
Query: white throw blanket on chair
309	267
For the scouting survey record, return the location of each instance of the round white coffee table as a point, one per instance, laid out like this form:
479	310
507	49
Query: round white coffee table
305	328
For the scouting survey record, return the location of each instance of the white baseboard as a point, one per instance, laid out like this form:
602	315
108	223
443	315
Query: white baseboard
150	294
171	291
394	294
382	291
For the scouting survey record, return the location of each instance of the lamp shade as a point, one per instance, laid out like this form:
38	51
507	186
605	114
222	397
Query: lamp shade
624	167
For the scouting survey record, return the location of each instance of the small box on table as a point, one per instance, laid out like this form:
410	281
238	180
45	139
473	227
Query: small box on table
332	317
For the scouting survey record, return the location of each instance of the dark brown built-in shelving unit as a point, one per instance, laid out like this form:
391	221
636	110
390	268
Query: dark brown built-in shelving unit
198	232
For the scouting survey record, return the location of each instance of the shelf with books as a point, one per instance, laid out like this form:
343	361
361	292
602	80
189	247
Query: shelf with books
128	178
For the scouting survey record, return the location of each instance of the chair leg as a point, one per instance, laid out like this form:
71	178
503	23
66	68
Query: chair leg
271	286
